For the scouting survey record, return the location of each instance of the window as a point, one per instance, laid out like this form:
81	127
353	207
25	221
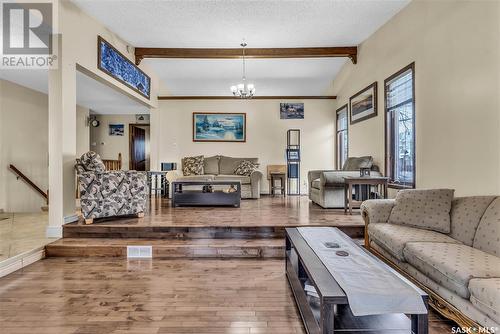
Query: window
399	91
341	149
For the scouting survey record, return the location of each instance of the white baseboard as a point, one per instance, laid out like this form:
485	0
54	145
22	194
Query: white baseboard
20	261
54	232
71	219
57	231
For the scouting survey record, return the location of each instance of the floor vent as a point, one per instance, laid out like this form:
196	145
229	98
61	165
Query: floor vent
140	251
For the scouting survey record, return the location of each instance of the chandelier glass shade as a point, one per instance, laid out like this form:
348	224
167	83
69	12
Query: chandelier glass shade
243	90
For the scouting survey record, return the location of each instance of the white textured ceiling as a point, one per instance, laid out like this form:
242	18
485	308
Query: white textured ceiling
224	23
102	99
90	93
270	76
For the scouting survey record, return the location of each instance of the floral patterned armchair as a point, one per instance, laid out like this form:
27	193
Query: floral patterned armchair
109	193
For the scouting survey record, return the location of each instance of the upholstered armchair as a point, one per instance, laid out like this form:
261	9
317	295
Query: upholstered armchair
109	193
326	187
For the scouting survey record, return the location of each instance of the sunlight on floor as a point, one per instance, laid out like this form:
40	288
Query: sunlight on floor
22	232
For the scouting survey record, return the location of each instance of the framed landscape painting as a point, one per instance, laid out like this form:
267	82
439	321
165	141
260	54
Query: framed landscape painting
114	63
219	127
363	105
116	129
292	110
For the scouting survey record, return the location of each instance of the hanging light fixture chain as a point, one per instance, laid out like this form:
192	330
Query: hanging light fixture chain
243	90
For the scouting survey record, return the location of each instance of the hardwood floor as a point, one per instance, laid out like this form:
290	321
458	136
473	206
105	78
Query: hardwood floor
115	296
21	232
264	212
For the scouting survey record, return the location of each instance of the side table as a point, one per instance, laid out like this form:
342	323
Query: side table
350	181
282	187
158	183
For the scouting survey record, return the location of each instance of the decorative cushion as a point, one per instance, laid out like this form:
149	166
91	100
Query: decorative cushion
355	163
485	295
92	162
227	165
487	236
466	212
245	168
211	165
393	238
452	265
427	209
192	165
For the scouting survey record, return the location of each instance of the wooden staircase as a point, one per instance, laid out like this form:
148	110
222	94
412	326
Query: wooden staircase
171	248
175	242
255	230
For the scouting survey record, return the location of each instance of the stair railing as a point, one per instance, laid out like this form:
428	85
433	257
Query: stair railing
26	179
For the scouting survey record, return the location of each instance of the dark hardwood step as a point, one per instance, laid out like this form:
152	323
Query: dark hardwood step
96	230
173	248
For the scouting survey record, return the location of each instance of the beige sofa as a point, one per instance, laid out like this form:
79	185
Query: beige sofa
460	270
221	168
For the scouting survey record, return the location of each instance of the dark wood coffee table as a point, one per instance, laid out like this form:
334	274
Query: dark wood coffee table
330	313
190	193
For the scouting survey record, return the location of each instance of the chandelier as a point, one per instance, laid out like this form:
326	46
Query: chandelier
243	90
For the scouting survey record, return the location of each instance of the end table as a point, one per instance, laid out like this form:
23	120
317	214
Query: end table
282	187
350	181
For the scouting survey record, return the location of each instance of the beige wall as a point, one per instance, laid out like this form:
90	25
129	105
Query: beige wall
266	133
108	146
455	47
23	143
82	131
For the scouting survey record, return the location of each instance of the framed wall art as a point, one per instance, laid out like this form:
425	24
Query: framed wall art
219	127
363	105
114	63
116	129
292	110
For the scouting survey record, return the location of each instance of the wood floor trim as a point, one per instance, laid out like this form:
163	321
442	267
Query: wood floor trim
21	261
168	249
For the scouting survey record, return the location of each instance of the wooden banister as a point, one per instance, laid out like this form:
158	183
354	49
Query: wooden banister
113	164
29	182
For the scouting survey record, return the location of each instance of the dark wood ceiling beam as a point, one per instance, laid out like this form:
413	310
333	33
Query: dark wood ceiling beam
321	97
257	53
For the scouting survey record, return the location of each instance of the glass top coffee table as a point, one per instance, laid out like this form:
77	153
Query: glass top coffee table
206	193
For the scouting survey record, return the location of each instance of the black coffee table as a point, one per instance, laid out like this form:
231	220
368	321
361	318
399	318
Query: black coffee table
330	313
191	193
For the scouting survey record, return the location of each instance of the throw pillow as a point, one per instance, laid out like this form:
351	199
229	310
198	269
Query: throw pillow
427	209
355	163
92	162
245	168
192	165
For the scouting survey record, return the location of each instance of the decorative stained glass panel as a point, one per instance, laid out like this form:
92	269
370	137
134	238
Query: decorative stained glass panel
114	63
